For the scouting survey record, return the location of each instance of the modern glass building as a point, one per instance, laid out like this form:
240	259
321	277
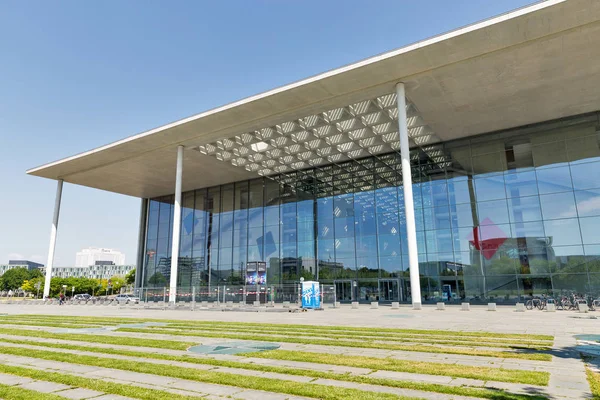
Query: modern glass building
501	215
465	167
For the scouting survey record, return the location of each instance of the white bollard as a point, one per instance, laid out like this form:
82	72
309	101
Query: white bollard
551	307
355	305
465	306
395	305
374	305
256	303
583	308
520	307
204	304
441	306
286	304
491	306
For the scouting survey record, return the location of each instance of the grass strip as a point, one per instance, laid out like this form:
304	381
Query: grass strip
220	378
594	380
361	344
481	373
18	393
119	320
324	334
475	342
419	367
106	339
486	336
87	383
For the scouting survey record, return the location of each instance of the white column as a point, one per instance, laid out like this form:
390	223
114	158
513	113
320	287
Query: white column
409	208
59	186
176	226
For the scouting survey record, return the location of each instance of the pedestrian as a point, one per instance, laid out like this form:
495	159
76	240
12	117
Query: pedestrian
61	299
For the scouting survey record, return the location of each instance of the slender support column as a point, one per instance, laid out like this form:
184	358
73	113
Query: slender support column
176	226
409	209
59	186
141	251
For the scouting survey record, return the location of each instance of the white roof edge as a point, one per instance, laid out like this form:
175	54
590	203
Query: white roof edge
426	42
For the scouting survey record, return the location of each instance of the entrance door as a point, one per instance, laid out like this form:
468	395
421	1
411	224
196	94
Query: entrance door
390	290
344	291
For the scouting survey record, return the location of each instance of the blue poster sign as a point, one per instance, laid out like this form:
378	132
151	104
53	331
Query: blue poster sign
311	294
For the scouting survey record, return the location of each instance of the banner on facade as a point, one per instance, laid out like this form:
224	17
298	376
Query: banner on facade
256	273
311	294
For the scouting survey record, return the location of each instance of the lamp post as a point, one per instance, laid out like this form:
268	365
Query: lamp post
72	292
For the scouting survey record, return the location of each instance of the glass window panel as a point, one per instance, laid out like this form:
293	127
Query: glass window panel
493	212
437	218
590	230
386	200
524	209
272	215
387	224
434	193
419	219
588	202
225	255
439	241
389	245
324	208
458	190
344	227
521	184
365	224
391	266
346	268
462	214
240	237
326	250
343	206
490	188
306	210
344	248
255	217
306	249
421	243
558	205
325	228
554	180
256	191
366	246
240	256
306	230
563	232
586	176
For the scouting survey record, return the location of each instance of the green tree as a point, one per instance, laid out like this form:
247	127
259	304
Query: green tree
157	279
130	277
14	278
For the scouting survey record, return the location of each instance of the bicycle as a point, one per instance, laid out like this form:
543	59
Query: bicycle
539	303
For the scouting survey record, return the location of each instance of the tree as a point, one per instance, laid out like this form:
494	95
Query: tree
14	278
157	279
130	277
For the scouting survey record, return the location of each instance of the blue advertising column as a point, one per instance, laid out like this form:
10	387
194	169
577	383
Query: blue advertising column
311	294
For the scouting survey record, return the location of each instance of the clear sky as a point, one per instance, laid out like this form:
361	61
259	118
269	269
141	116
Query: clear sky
77	74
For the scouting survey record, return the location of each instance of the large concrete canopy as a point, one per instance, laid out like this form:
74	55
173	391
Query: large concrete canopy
530	65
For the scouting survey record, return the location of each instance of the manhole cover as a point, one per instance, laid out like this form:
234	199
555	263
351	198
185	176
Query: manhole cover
399	316
106	328
233	348
591	338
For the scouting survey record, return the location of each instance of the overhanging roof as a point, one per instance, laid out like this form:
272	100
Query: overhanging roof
534	64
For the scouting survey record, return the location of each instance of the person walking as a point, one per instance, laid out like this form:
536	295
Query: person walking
61	299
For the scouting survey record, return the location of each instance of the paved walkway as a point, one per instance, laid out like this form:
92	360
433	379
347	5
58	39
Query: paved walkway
567	371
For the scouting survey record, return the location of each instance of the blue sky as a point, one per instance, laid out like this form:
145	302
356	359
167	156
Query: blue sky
78	74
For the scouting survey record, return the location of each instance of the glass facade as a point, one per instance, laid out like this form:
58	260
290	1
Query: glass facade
499	216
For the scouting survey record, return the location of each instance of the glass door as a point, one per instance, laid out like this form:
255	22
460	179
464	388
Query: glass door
390	290
344	291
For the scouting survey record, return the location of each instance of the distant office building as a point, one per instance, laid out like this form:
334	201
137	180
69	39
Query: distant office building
30	265
98	271
91	255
